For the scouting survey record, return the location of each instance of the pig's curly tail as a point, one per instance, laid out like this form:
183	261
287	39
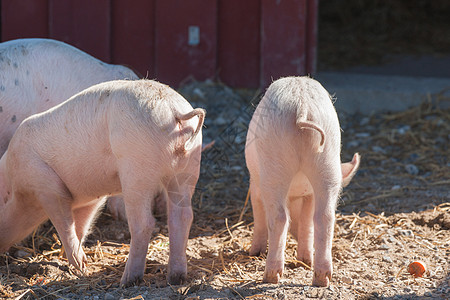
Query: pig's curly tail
312	126
200	113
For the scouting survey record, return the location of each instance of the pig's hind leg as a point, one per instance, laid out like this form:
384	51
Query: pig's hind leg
274	191
84	216
138	205
259	240
305	230
325	197
56	199
58	208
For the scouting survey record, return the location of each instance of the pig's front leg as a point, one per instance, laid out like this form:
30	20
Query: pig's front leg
274	198
179	218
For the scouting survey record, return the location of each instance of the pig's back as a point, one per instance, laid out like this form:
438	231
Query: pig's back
299	99
274	134
77	137
44	72
291	100
37	74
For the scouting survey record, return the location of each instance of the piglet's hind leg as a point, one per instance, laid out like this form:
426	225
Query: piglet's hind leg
274	199
305	231
259	240
59	210
84	216
324	218
179	219
141	224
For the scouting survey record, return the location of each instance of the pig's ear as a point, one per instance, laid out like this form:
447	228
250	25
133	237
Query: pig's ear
349	169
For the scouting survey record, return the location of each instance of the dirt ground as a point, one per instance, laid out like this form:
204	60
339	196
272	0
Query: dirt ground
396	210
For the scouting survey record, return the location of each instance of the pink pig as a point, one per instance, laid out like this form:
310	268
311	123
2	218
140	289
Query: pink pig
139	138
37	74
293	155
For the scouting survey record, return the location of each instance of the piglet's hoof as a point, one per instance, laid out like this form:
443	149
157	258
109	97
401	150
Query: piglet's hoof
177	278
272	276
321	279
305	263
130	281
257	248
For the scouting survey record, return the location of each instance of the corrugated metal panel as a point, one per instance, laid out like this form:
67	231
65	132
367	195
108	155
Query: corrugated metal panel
133	35
283	46
24	18
239	42
82	23
178	53
311	35
243	43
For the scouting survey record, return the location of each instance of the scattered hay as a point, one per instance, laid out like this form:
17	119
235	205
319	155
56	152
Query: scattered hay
372	247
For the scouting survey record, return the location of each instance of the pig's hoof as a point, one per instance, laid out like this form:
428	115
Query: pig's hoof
177	278
321	279
127	282
307	262
257	250
272	276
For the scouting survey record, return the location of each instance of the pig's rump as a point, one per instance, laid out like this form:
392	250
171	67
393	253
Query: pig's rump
138	138
93	134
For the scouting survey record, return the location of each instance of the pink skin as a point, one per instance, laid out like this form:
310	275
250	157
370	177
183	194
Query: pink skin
116	207
293	155
138	138
38	74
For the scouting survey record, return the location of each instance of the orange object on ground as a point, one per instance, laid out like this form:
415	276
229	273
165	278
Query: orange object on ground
417	268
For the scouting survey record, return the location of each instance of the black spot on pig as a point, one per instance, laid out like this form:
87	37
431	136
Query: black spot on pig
14	118
24	50
105	94
16	82
15	65
1	109
2	88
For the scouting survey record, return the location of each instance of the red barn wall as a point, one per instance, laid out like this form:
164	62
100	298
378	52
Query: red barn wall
242	43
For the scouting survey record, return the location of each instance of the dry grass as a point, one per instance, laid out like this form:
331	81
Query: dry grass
218	259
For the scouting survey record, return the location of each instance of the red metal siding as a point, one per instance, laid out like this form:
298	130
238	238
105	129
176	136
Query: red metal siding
238	44
82	23
175	59
311	35
242	43
283	39
133	32
24	18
